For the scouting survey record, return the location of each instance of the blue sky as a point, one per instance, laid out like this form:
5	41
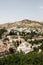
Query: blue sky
14	10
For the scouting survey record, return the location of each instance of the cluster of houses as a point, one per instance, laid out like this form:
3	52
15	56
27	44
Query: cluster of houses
7	40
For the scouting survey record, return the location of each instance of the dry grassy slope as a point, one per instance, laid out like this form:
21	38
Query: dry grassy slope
23	23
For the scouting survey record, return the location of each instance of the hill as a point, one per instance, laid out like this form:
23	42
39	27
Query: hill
23	23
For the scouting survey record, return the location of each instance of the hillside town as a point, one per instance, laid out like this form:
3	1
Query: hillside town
18	39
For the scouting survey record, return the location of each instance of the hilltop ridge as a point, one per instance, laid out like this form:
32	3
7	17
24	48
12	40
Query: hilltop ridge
23	23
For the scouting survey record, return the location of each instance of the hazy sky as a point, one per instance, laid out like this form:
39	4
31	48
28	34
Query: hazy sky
13	10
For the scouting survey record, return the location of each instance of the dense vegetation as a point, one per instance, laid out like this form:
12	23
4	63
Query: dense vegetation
22	59
2	31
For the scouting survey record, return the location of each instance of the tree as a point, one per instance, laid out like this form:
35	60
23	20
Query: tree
11	32
11	50
6	39
35	49
41	47
2	31
15	44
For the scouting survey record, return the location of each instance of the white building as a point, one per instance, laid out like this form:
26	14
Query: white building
25	47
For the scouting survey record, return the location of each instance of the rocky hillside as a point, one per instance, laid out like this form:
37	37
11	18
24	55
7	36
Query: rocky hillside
23	23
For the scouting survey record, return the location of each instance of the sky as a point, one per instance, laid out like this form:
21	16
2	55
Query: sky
15	10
